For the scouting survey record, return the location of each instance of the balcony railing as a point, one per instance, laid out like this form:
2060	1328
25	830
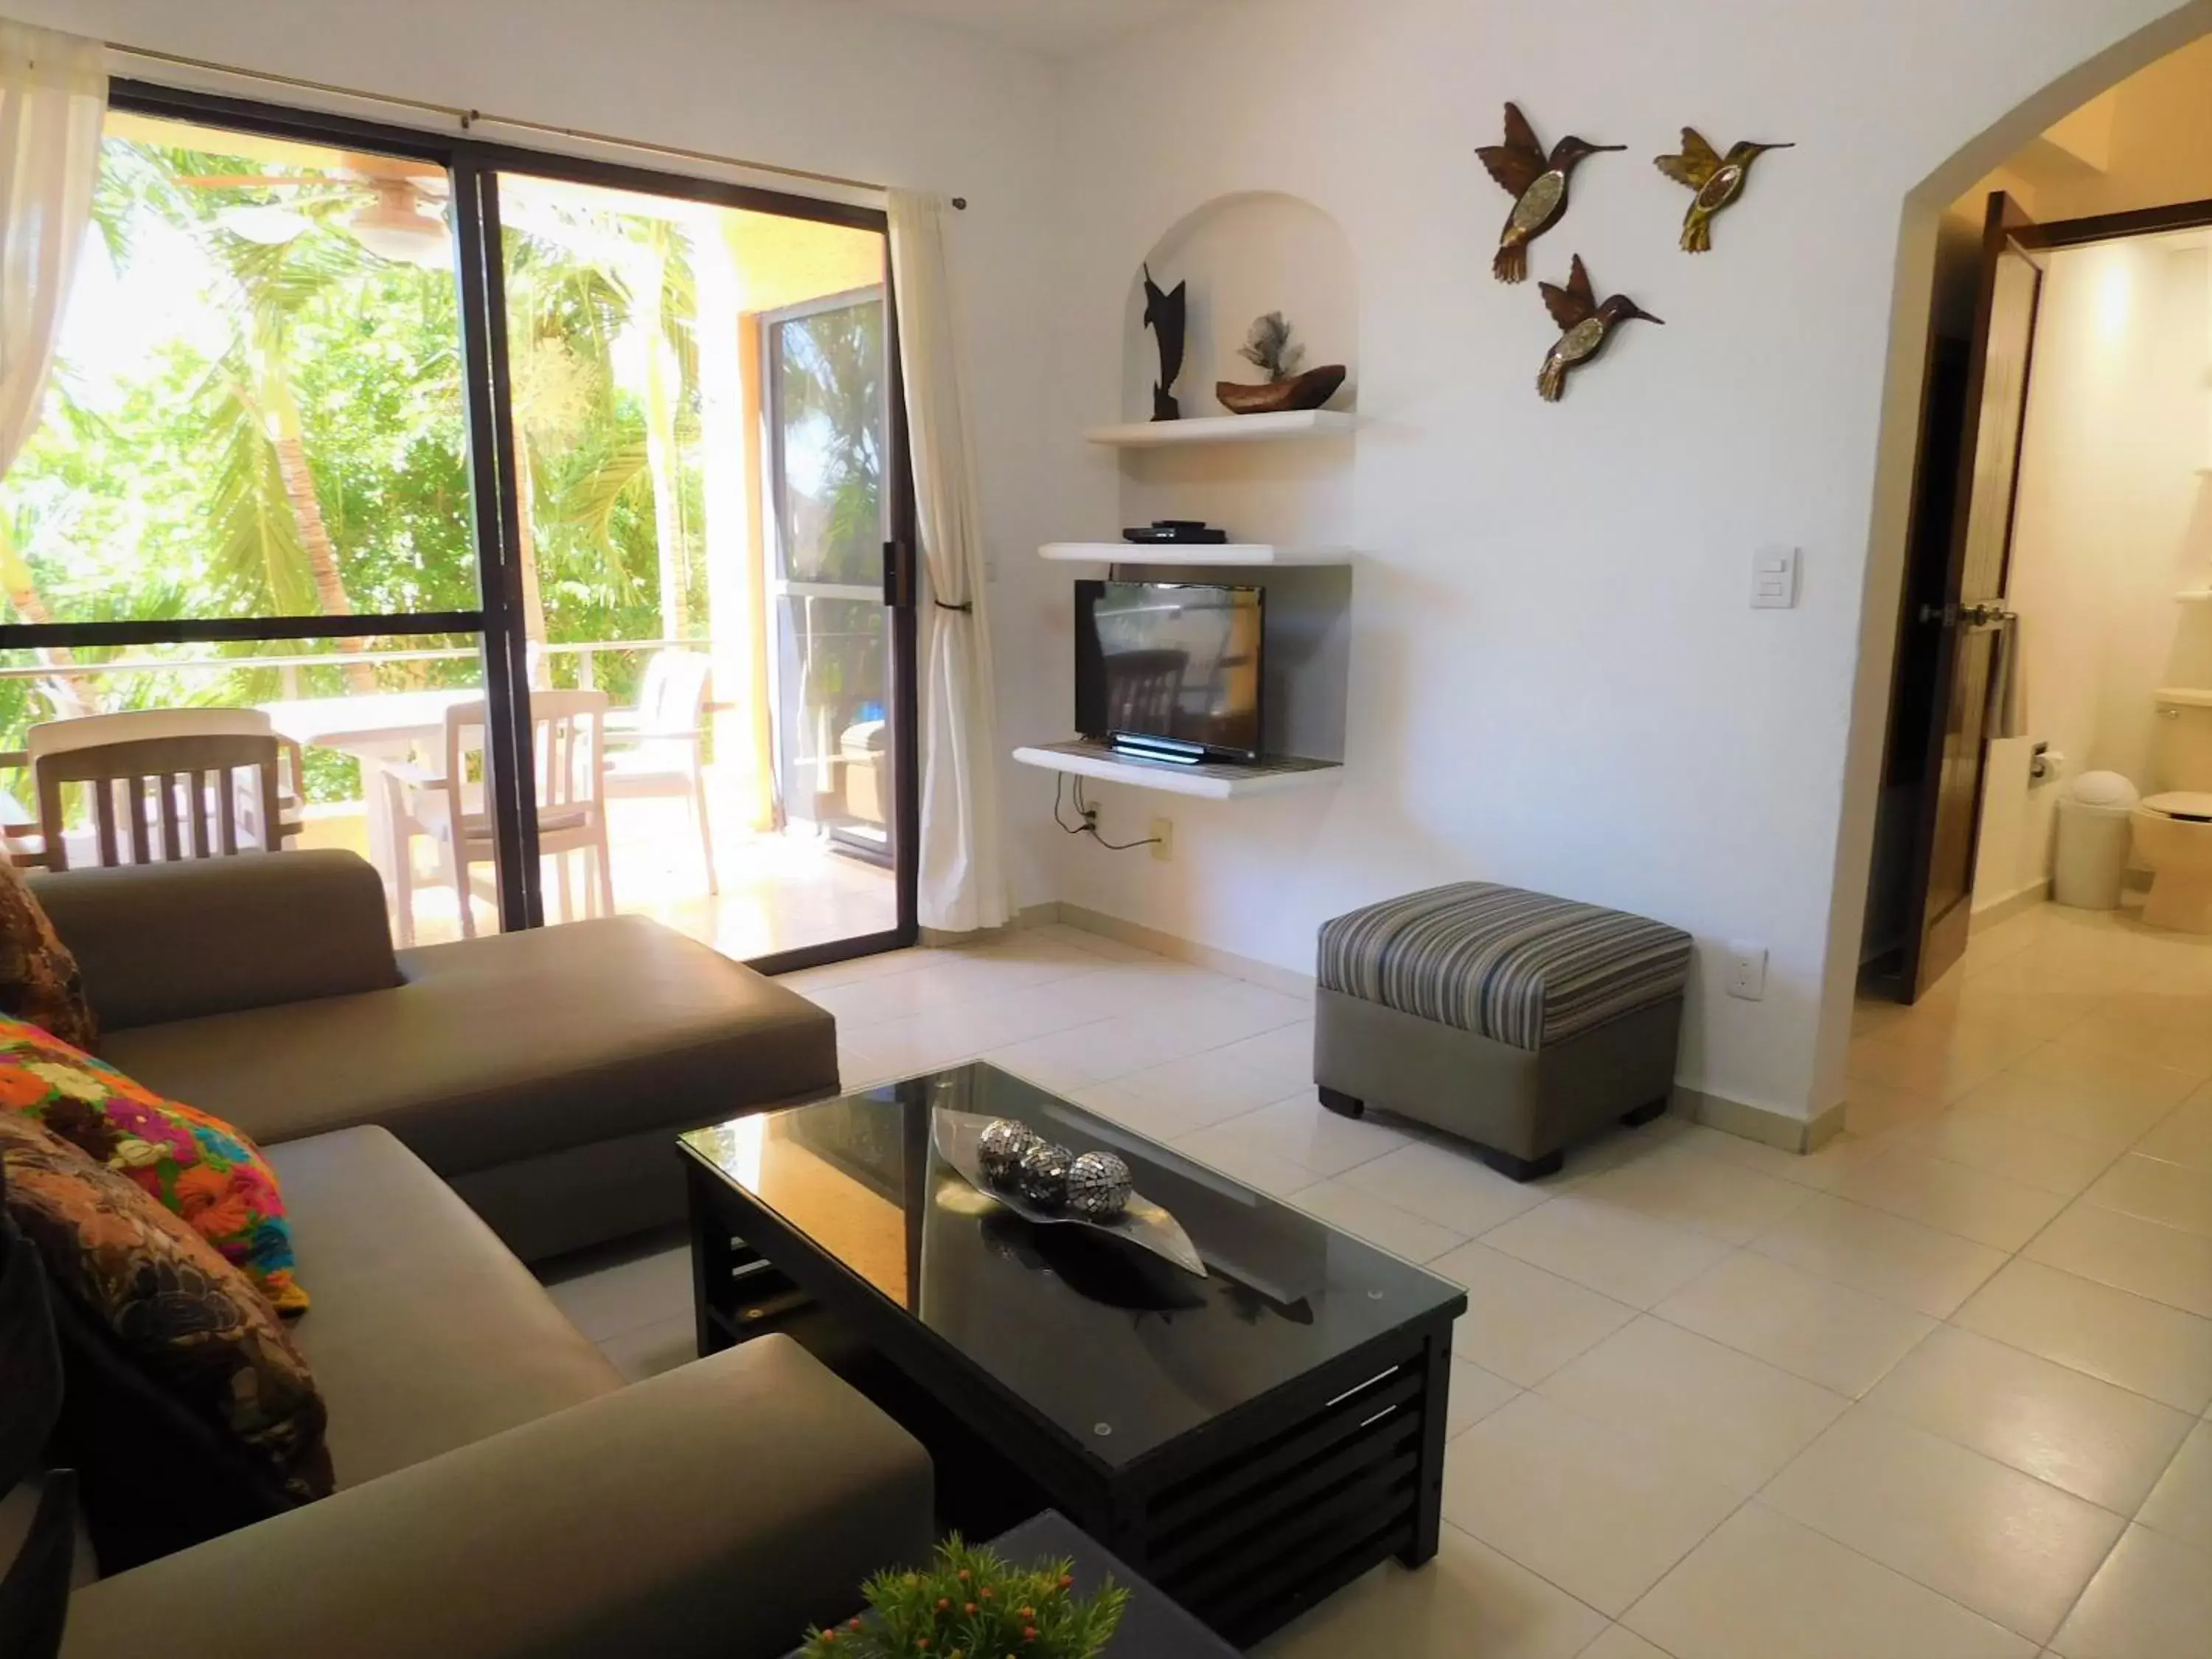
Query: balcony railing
288	667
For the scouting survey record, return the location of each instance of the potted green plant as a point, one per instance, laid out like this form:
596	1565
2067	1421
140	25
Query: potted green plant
970	1603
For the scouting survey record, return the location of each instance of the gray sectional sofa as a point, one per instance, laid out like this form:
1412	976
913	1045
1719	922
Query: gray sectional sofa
434	1115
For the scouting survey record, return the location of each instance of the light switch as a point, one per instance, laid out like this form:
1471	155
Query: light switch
1774	579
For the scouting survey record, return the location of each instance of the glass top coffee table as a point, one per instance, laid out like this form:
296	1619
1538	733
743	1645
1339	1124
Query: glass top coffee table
1249	1441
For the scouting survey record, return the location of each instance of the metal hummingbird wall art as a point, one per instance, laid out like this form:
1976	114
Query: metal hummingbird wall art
1717	180
1586	325
1537	183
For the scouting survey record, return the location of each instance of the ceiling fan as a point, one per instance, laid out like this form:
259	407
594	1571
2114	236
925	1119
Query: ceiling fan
404	223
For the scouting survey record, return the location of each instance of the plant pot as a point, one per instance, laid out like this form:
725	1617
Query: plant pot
1308	391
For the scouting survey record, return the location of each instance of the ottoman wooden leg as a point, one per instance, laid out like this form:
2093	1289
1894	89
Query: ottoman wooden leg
1522	1169
1645	1113
1341	1103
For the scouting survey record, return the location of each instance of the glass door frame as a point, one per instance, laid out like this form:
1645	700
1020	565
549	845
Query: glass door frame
776	451
473	168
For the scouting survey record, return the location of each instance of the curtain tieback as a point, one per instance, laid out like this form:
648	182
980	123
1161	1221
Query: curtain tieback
965	609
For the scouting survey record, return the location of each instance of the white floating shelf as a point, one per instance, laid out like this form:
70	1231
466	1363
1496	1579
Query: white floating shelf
2196	596
1212	780
1188	553
2189	697
1225	428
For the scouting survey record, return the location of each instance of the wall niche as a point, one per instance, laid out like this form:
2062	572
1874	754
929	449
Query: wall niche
1242	255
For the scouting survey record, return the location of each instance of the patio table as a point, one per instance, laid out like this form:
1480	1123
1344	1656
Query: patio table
376	728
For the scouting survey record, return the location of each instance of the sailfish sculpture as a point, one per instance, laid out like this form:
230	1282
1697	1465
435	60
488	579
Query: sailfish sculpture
1166	314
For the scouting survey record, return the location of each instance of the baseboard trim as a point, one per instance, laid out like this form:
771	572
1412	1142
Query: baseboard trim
1034	916
1178	949
1763	1124
2010	906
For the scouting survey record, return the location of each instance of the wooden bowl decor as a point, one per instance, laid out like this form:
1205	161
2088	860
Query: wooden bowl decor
1267	347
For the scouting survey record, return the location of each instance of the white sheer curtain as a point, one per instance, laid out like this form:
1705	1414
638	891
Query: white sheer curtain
963	862
53	92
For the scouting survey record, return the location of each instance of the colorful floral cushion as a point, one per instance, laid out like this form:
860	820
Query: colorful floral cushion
194	1165
38	978
184	1317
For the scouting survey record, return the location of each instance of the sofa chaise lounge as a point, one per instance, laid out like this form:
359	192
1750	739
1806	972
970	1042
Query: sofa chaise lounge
501	1493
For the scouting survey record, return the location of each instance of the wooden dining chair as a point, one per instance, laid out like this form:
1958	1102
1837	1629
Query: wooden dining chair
174	797
446	802
126	725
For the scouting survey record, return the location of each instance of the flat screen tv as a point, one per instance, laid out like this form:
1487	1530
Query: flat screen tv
1169	670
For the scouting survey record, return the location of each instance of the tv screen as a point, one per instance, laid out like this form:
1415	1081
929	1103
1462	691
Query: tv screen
1175	662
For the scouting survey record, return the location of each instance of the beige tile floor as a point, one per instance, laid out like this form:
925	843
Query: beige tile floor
1938	1390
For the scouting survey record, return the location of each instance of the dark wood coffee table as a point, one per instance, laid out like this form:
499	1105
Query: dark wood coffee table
1248	1441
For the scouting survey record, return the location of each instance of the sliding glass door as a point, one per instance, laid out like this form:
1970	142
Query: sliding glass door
251	488
676	467
489	481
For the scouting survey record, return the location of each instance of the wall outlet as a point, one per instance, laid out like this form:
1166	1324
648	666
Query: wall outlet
1746	970
1162	840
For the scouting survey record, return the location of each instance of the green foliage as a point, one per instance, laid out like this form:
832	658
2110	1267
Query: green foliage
154	488
832	381
972	1604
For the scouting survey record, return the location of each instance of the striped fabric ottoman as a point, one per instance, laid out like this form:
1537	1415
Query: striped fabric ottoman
1515	1020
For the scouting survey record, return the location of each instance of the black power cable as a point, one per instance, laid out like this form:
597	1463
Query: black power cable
1088	814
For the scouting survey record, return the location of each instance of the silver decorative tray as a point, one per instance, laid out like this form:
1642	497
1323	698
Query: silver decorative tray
1143	1223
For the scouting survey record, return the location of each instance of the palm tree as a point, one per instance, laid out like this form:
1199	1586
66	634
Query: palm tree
594	275
64	692
563	312
272	543
653	275
271	533
833	383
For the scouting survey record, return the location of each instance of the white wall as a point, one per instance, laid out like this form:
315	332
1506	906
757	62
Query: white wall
2156	148
2114	521
2145	143
830	86
1558	680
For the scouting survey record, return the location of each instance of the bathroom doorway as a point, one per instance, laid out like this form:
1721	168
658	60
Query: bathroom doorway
2057	615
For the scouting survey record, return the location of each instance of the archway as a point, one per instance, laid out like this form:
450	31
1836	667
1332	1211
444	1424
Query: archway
1904	388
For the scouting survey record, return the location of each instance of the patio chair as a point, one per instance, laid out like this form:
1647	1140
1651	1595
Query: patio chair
191	785
661	751
246	818
445	803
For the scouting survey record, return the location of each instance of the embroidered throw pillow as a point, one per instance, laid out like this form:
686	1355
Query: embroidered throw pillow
39	979
185	1317
193	1164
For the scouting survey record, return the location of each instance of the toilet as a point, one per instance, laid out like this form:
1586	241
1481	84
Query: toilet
2173	829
